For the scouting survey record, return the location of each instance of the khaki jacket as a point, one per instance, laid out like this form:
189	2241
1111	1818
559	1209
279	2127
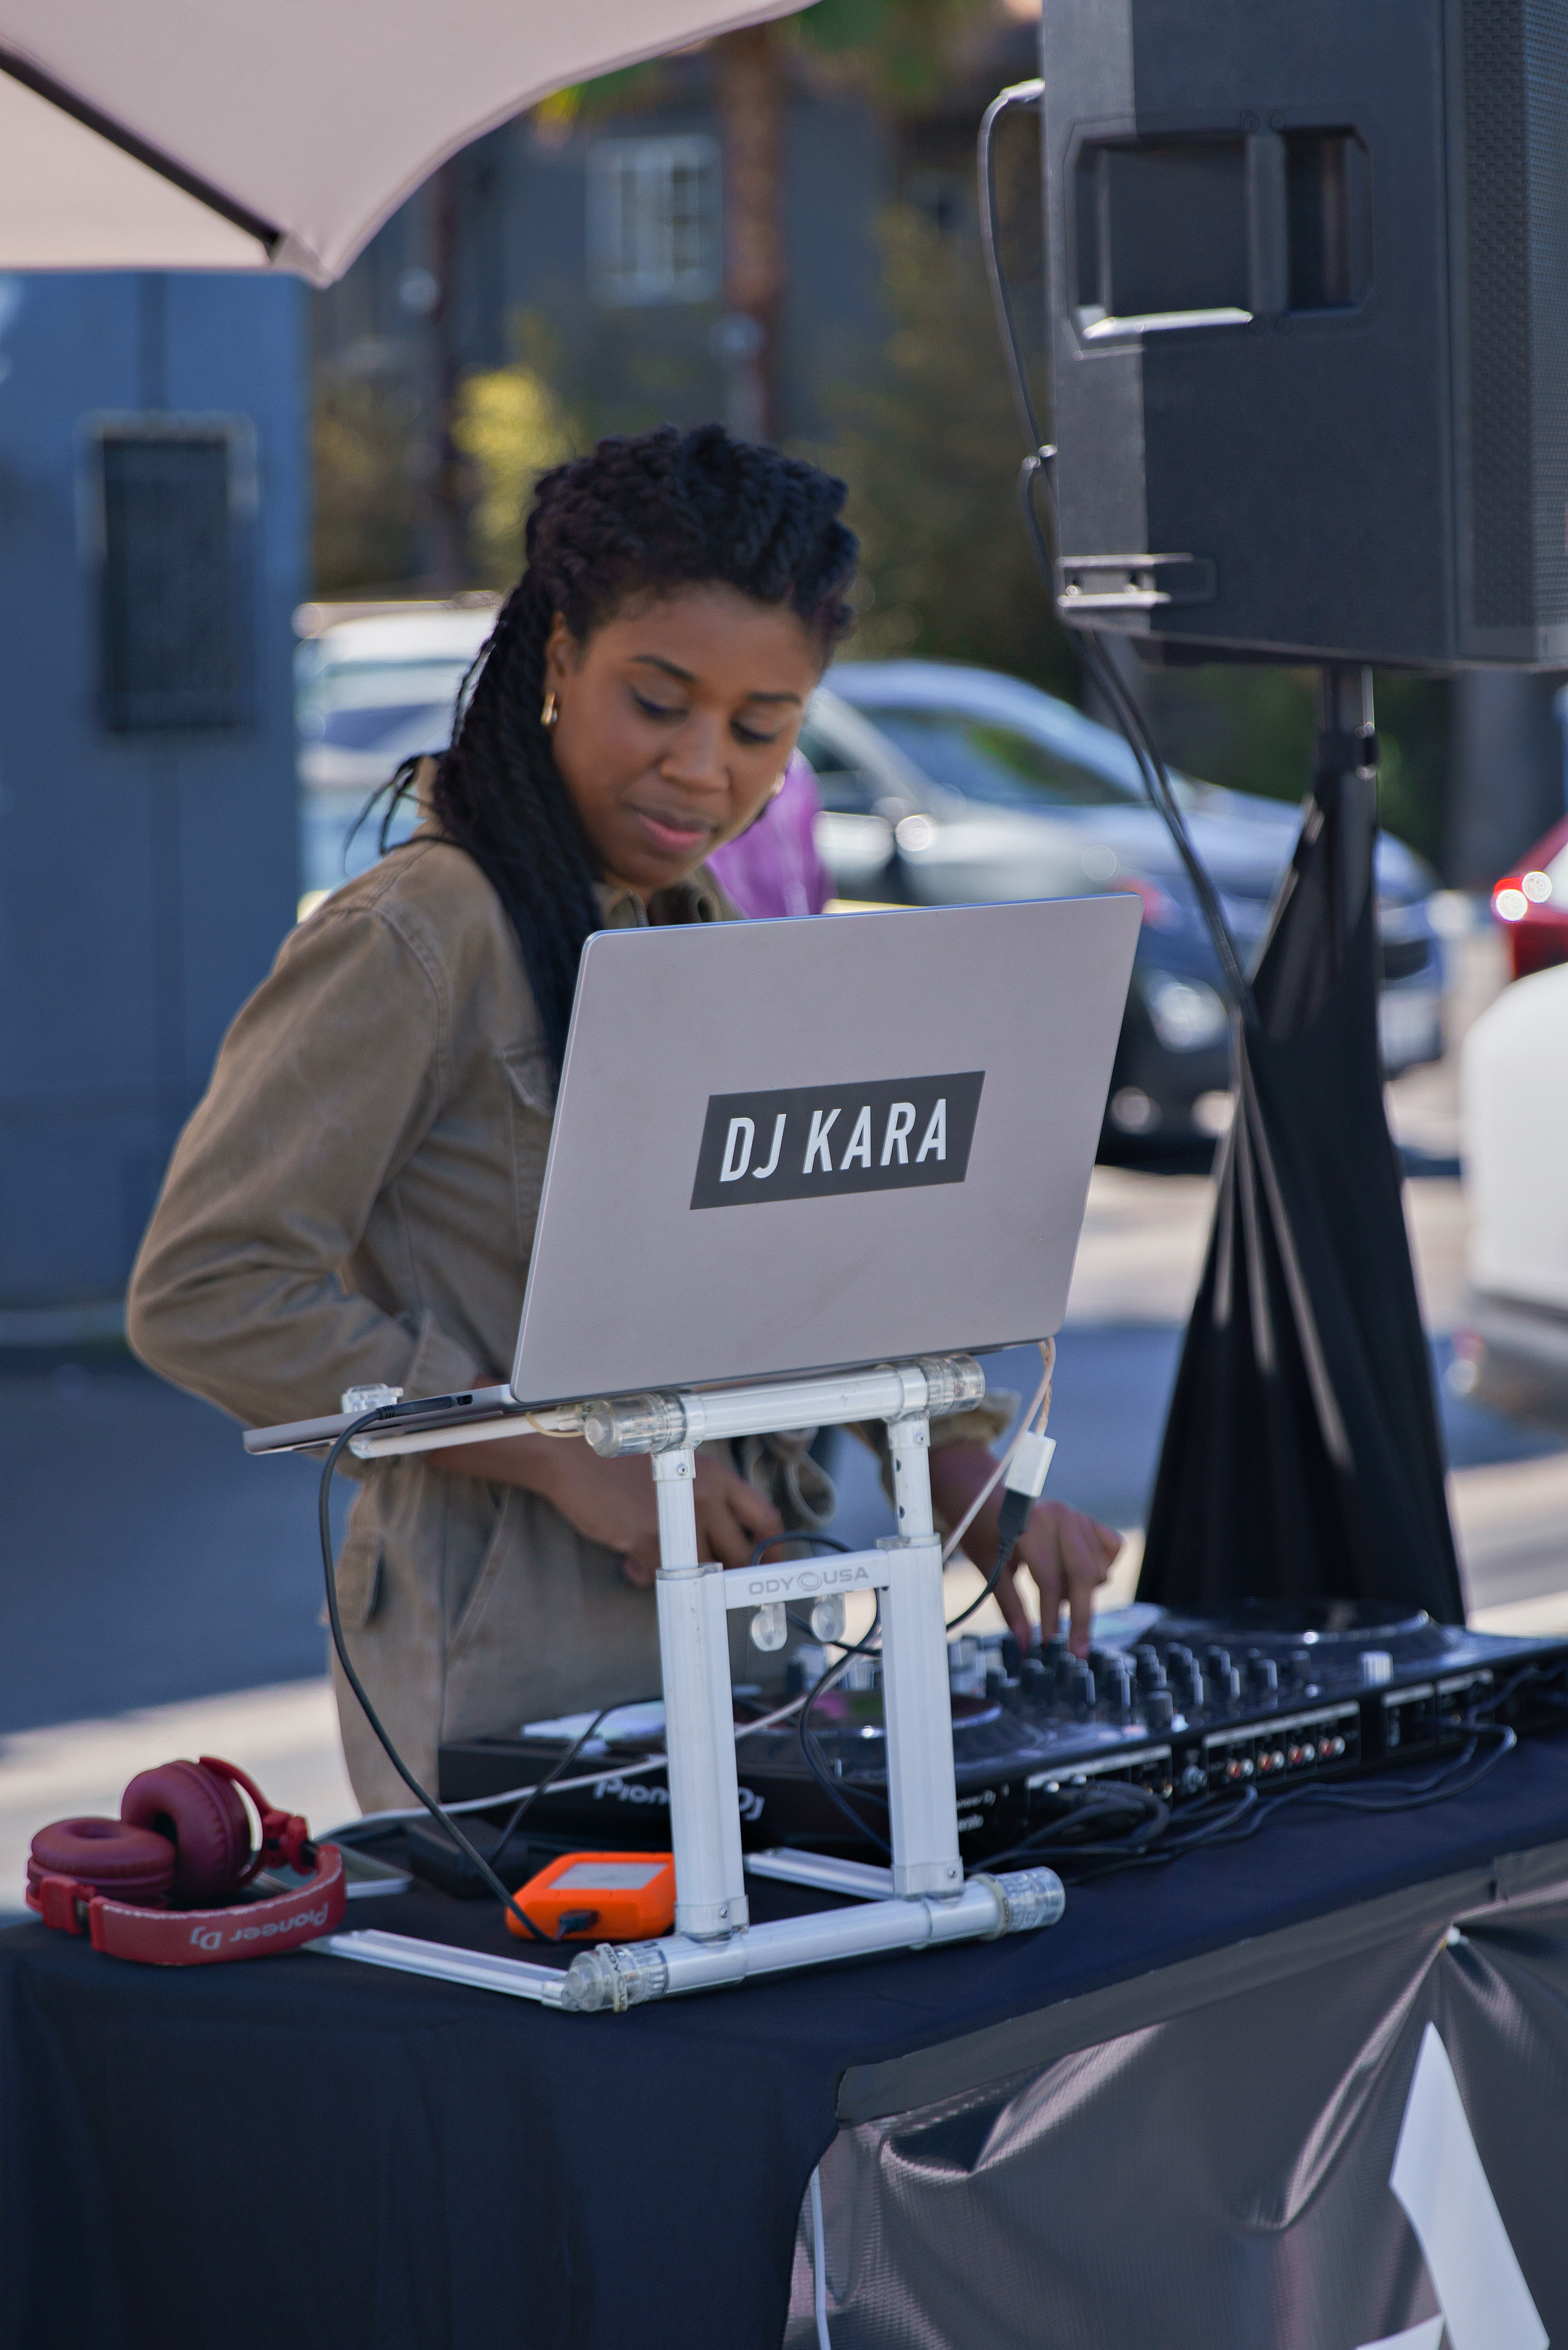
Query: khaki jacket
354	1201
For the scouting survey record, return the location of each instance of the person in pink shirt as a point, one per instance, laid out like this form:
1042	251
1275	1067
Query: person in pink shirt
773	868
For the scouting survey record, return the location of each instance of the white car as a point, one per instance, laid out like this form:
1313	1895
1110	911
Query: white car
370	692
1514	1106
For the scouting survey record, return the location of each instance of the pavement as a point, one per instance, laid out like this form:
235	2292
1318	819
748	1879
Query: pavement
162	1592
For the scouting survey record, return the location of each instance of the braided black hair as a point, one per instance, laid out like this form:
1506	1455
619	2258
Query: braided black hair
654	510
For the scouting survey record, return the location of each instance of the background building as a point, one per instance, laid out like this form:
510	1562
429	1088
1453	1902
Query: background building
153	545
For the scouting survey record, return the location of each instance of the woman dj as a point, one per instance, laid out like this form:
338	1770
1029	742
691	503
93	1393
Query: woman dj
354	1201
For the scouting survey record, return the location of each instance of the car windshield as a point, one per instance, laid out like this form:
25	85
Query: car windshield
985	759
354	705
843	788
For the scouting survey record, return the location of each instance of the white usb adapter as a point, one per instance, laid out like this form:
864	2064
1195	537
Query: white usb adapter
1027	1470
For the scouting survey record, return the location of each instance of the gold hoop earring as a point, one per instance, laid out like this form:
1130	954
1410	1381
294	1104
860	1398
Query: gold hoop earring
550	711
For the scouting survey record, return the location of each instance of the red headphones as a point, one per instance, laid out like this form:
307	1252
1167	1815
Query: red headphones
159	1883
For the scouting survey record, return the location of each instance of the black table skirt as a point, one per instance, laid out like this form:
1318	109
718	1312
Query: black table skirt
306	2152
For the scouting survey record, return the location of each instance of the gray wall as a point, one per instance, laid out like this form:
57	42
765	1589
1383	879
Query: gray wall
145	879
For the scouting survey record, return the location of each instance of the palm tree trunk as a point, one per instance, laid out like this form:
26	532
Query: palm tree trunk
751	95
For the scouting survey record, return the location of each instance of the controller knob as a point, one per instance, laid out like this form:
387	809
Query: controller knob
1187	1675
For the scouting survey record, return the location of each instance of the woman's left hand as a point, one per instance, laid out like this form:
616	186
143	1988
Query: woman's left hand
1068	1554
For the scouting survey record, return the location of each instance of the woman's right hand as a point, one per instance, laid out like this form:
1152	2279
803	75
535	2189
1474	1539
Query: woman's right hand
612	1501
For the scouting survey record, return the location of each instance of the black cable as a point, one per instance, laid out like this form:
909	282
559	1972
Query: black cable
800	1535
1014	1516
1526	1673
810	1754
1054	1840
1070	1835
1012	1519
1023	93
329	1564
560	1766
808	1744
1152	770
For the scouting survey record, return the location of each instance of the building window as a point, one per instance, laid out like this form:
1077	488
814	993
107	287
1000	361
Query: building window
653	219
175	501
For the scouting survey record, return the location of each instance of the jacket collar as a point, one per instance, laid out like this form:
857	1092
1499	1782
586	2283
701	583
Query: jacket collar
699	898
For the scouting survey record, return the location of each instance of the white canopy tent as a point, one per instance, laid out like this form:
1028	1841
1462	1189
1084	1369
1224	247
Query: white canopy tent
208	134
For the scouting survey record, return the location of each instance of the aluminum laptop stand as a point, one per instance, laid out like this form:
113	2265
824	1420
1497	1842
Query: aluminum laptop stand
924	1898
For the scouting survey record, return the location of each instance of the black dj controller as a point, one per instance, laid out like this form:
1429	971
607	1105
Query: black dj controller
1188	1707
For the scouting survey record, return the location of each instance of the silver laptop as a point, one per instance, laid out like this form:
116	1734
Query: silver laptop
802	1145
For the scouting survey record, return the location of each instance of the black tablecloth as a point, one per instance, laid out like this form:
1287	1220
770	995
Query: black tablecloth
306	2151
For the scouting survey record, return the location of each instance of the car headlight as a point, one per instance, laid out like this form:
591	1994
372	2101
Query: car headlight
1187	1013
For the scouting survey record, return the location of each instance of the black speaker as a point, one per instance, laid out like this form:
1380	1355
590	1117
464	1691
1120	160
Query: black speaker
1309	324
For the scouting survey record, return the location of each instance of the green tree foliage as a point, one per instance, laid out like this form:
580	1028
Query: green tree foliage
1251	727
930	448
368	509
899	46
1248	726
1414	785
511	427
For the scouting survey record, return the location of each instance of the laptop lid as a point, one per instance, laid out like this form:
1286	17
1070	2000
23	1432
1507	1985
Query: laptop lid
798	1145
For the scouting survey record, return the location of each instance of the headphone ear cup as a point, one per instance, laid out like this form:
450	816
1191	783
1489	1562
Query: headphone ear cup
133	1864
205	1818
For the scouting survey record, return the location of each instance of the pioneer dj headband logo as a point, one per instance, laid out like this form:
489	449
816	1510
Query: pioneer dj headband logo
898	1134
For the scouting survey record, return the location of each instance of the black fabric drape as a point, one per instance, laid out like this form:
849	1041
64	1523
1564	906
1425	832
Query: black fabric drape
1302	1457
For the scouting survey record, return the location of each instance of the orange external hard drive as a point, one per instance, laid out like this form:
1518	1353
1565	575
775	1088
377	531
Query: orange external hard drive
603	1896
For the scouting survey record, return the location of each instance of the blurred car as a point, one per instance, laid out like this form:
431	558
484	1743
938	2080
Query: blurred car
1531	904
371	690
1513	1351
945	784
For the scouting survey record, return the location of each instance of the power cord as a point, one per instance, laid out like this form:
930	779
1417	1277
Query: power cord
1024	1464
329	1565
1036	1417
810	1750
557	1769
1012	1519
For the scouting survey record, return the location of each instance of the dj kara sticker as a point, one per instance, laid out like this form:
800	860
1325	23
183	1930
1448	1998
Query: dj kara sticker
893	1134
